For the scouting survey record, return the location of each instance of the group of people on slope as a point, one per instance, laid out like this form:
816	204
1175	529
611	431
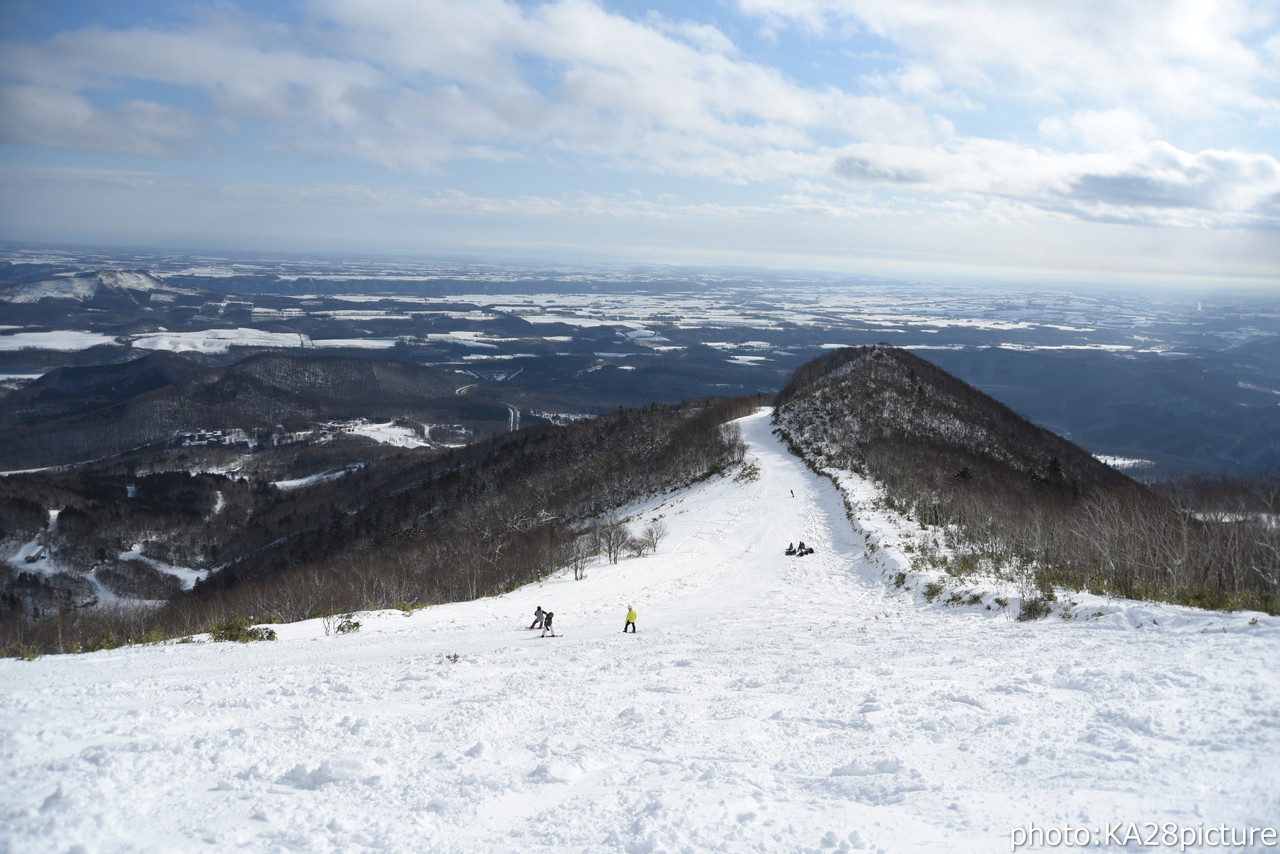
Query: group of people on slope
542	620
798	551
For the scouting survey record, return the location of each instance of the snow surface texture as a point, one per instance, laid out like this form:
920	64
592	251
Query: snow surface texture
768	703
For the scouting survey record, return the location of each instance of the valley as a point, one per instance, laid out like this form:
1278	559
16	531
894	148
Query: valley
1185	381
171	433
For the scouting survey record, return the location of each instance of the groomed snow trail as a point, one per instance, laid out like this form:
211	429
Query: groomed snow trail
768	703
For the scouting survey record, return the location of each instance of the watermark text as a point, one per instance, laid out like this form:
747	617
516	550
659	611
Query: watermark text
1141	834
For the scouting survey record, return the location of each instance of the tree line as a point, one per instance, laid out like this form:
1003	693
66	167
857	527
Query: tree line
481	520
1012	499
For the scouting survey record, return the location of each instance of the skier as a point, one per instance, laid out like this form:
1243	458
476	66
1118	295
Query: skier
546	625
537	618
631	620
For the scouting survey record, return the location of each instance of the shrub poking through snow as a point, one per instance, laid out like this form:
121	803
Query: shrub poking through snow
1034	608
238	629
340	624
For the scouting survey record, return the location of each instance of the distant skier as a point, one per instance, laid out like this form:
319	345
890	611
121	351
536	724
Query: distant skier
546	625
537	618
631	620
793	493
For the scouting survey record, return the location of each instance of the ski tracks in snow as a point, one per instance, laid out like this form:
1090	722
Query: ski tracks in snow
767	704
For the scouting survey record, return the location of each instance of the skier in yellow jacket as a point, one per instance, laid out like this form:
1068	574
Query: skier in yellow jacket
631	620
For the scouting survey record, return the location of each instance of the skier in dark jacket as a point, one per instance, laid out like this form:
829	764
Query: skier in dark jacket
546	625
537	618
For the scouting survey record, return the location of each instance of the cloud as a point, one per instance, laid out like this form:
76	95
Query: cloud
416	83
1149	184
1100	130
1181	57
35	115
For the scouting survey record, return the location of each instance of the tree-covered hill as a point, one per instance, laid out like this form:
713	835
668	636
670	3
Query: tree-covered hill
1015	500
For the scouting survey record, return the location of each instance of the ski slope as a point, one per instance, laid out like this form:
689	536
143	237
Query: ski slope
767	703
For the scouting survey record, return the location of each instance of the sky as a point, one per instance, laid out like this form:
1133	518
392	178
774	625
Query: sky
1098	138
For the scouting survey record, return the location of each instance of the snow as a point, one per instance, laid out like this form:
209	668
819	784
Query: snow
767	703
132	280
82	287
1124	463
389	434
78	288
464	337
216	340
184	574
311	480
357	343
36	558
63	341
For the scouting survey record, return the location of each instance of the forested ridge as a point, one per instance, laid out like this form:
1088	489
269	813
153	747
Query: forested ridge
1014	500
406	530
996	496
80	413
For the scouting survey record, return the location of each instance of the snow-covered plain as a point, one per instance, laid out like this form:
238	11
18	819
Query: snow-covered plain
767	703
64	341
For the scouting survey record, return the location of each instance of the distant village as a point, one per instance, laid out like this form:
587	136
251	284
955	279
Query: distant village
324	431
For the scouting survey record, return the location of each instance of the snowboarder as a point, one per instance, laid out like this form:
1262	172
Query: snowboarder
546	625
537	618
631	620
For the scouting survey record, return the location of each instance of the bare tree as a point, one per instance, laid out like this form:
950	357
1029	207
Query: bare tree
636	546
653	534
612	538
580	553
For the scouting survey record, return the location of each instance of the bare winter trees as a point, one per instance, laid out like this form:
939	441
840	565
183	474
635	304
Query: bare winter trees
612	538
1013	498
615	537
652	535
421	528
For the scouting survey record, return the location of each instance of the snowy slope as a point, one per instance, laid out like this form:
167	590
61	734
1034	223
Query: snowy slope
86	287
767	704
72	287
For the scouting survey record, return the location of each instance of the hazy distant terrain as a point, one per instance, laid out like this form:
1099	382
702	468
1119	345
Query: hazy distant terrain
1185	381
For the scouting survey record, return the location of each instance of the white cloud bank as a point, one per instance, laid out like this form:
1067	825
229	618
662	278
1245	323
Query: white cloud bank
988	111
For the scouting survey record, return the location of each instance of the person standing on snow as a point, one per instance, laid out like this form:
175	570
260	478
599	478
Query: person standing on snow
546	625
631	620
537	618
